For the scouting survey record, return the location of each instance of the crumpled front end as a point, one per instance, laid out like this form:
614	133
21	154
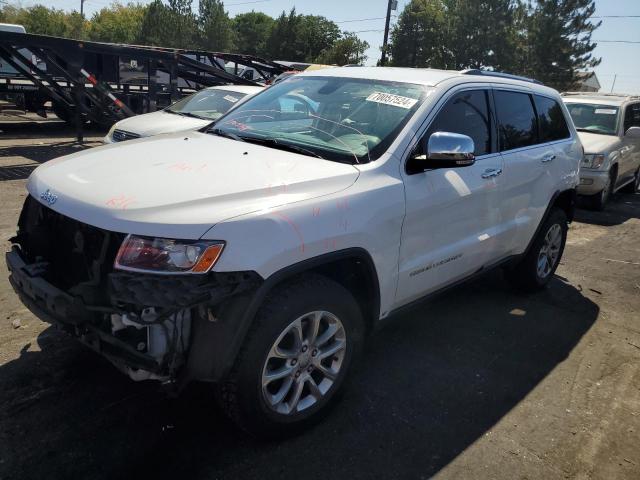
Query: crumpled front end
62	269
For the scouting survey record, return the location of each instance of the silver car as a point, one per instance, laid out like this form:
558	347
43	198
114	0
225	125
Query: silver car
609	127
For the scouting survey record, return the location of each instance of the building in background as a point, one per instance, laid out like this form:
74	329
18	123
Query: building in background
588	82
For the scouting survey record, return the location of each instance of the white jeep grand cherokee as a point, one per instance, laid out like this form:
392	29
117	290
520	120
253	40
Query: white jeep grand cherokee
258	253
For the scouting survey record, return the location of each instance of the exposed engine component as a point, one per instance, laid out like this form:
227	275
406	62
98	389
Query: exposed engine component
165	338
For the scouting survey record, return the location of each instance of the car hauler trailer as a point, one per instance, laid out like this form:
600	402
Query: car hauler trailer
106	82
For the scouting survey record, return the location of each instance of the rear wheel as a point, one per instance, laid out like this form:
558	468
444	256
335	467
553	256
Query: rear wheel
295	359
540	263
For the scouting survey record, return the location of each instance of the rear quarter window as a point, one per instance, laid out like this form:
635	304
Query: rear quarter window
516	118
551	121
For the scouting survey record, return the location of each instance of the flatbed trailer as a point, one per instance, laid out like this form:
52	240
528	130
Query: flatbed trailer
105	82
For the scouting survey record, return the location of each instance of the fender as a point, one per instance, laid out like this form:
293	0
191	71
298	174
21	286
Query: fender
219	335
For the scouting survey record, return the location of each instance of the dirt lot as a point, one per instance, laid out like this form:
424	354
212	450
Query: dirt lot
481	383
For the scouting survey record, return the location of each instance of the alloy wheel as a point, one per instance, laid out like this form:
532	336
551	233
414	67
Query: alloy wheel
304	362
550	251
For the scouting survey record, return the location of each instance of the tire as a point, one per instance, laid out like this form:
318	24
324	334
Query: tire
599	201
528	275
256	403
633	186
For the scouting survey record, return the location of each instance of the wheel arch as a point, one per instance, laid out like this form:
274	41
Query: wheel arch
353	268
217	340
566	201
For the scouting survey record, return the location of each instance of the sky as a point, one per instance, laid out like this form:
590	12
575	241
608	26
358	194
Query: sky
619	60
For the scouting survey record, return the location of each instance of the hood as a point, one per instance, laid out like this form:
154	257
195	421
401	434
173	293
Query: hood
180	185
159	122
597	143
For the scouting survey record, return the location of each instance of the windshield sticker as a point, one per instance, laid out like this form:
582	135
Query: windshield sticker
606	111
391	99
231	99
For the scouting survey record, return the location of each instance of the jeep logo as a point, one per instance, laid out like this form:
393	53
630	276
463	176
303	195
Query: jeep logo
48	197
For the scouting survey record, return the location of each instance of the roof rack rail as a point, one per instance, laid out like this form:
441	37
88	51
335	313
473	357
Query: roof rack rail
601	94
489	73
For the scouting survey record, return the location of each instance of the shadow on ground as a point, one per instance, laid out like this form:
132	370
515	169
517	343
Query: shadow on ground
622	207
429	385
16	128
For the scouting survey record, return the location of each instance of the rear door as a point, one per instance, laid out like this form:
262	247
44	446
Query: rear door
533	162
453	216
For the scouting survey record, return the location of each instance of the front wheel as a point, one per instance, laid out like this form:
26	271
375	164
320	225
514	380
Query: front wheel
536	269
599	200
634	186
295	359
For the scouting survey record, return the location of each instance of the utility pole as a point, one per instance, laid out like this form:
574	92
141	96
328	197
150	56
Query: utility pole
614	82
82	8
391	5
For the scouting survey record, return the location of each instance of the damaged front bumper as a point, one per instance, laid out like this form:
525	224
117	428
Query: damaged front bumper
146	324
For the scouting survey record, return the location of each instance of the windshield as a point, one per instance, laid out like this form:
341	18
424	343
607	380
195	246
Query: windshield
341	119
207	104
601	119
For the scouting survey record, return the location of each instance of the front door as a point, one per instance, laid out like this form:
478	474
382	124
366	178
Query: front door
452	223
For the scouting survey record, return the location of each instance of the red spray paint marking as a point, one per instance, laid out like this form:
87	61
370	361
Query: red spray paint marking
122	202
295	228
185	167
342	204
329	243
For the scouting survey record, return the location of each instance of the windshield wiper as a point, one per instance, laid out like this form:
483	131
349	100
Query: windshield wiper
222	133
274	143
184	114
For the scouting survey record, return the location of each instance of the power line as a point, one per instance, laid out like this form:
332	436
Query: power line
362	19
246	3
616	16
616	41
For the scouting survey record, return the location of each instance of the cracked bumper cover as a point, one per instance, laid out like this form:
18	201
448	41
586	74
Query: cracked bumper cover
130	290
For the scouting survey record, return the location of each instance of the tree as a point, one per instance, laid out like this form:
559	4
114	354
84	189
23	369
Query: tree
174	25
117	23
315	34
252	31
281	43
43	20
481	33
419	38
300	38
215	26
558	42
347	50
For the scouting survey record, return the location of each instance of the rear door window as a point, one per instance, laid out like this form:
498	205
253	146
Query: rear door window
518	126
551	122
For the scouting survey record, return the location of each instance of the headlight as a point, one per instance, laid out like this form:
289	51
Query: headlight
591	160
110	133
164	255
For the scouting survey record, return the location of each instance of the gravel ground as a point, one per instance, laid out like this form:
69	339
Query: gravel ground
480	383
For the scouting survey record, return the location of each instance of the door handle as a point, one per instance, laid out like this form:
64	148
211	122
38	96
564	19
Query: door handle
548	158
491	172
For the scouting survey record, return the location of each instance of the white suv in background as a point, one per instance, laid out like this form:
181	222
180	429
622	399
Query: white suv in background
189	113
609	127
260	253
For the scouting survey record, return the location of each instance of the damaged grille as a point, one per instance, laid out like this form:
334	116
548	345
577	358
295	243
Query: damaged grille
74	255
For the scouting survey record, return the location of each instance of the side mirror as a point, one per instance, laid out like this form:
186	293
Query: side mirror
632	132
446	150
